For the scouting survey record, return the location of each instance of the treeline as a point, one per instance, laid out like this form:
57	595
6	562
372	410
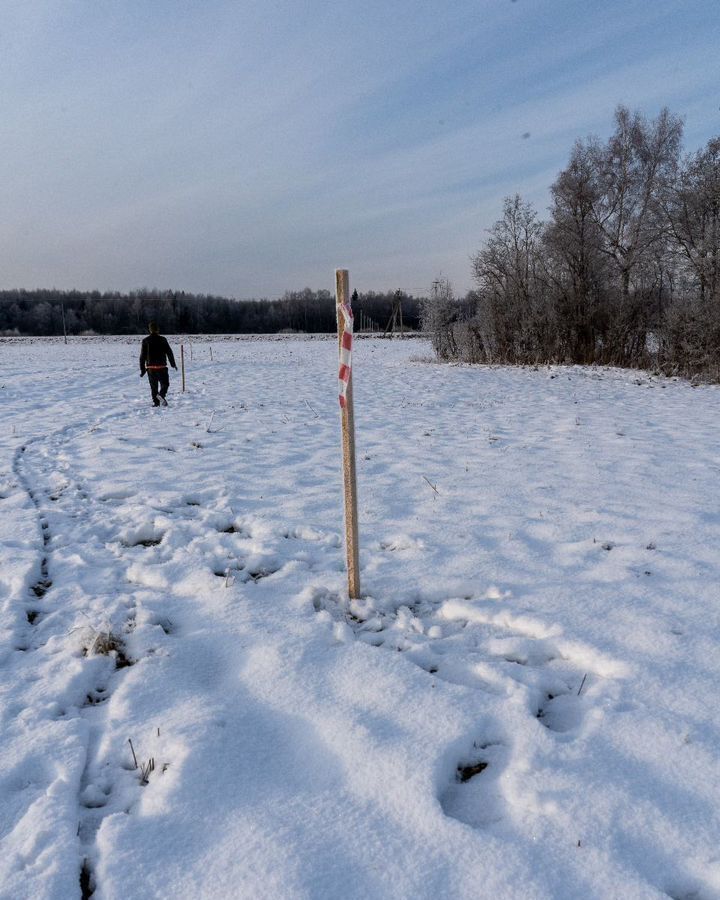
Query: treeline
626	270
41	312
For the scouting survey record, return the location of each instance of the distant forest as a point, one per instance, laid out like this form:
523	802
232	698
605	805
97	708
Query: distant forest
40	312
625	271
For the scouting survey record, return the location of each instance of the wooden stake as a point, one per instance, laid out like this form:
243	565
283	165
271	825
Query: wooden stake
182	366
347	422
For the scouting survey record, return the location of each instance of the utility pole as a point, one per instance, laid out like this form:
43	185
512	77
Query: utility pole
395	321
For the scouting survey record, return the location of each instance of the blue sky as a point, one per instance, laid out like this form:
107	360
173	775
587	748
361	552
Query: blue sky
247	148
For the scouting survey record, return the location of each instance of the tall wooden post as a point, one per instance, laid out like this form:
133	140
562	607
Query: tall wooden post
182	366
347	422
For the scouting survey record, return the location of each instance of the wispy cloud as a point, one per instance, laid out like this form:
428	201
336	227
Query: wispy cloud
250	147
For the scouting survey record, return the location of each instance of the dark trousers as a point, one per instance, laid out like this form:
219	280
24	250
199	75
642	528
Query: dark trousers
159	383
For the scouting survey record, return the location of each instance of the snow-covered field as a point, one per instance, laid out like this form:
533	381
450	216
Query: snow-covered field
524	704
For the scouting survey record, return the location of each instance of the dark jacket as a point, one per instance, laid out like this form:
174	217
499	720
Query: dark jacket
155	353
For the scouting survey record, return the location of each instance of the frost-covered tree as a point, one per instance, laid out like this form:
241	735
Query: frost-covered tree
690	332
631	172
577	266
512	316
438	314
692	207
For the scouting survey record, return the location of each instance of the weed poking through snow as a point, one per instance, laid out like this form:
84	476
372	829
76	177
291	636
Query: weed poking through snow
106	643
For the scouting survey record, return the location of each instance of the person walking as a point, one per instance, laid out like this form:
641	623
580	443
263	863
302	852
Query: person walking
154	356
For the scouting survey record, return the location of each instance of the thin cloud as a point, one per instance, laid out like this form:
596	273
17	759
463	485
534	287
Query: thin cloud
246	148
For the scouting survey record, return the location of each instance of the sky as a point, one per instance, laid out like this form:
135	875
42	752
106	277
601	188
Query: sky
248	148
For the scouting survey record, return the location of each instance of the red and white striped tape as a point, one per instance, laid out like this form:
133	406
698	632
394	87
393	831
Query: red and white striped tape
346	343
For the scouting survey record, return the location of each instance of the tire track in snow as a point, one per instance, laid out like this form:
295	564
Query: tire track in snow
122	553
43	582
34	463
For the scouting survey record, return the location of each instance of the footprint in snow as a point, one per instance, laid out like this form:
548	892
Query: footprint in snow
474	794
562	712
482	645
145	536
96	697
33	615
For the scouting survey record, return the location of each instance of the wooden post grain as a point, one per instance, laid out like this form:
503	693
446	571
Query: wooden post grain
347	421
182	366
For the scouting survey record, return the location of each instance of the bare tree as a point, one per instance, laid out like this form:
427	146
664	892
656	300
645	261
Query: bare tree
626	272
690	334
631	171
577	265
511	309
692	206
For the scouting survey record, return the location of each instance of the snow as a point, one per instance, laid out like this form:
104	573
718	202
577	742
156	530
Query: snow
522	704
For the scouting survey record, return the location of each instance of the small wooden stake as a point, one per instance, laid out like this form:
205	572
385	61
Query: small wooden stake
182	366
347	421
